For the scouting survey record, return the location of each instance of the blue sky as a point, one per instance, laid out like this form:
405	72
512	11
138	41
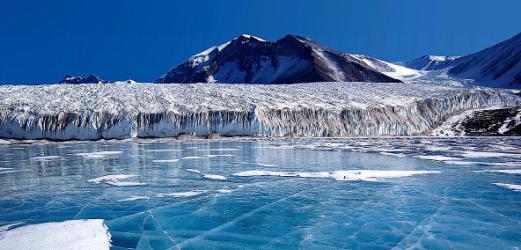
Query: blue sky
41	41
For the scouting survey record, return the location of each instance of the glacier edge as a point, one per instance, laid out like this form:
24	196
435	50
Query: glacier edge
235	110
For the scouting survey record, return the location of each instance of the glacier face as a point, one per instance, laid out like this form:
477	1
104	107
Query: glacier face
89	112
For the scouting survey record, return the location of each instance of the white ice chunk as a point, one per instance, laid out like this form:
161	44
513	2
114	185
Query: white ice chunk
437	158
100	154
207	176
126	183
220	155
224	191
45	158
214	177
166	161
135	197
72	234
266	164
502	171
477	154
392	154
348	175
192	157
115	180
183	194
503	164
514	187
466	163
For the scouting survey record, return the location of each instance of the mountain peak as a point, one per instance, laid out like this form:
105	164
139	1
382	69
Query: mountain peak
432	62
299	39
69	79
291	59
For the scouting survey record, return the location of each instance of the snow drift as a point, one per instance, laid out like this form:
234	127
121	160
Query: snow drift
88	112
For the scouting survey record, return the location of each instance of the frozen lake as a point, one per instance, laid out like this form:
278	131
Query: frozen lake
433	193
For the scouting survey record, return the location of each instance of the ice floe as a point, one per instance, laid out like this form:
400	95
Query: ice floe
182	194
477	154
220	155
348	175
465	163
71	234
437	158
514	187
193	193
164	150
166	161
100	154
392	154
115	180
266	164
207	176
126	183
135	198
224	191
502	171
45	158
192	157
214	177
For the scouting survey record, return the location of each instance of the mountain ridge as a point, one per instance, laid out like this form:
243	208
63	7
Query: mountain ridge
291	59
496	66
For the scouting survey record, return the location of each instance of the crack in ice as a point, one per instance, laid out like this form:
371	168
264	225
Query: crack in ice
241	217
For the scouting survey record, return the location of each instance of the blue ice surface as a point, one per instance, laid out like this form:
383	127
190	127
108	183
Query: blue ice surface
457	208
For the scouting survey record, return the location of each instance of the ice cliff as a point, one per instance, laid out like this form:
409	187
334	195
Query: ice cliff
87	111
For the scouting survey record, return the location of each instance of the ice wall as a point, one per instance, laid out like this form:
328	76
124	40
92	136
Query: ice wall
333	109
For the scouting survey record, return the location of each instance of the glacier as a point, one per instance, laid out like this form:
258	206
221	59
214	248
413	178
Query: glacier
91	112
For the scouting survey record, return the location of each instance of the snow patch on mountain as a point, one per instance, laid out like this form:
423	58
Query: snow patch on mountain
392	70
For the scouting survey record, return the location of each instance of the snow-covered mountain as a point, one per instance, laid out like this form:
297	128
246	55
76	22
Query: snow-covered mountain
292	59
497	66
68	79
431	62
